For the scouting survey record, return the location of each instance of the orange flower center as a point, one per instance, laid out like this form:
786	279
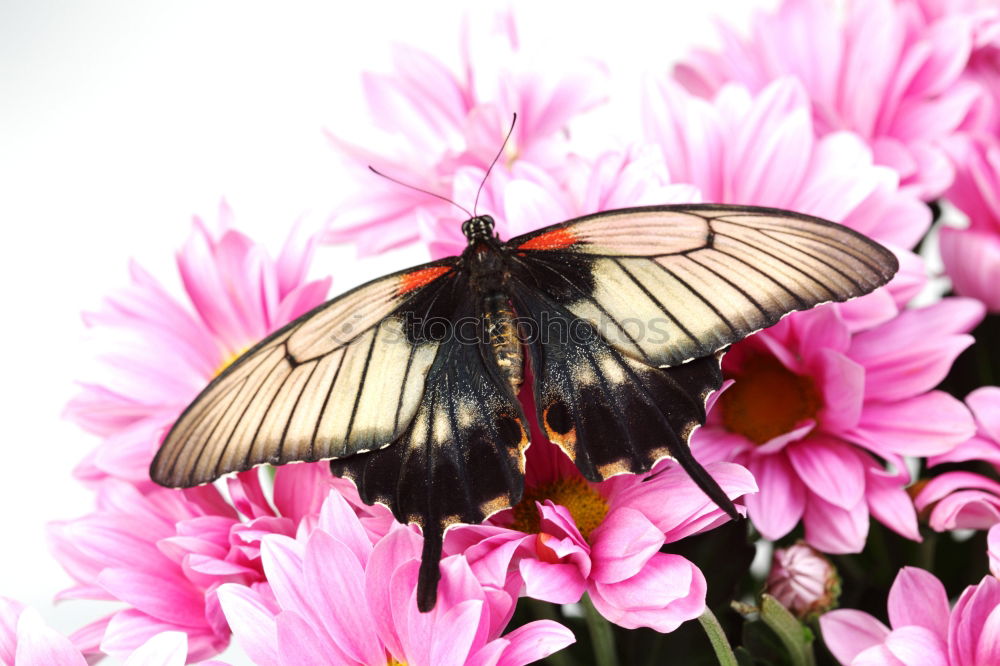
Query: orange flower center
768	400
586	506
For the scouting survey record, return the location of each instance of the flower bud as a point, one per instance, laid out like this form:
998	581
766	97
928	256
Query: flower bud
803	580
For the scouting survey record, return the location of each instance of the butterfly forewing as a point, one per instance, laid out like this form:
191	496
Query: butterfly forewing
344	378
671	283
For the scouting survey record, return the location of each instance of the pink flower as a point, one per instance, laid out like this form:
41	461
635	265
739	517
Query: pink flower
162	352
25	640
339	596
164	553
804	581
883	72
761	149
453	125
568	536
814	403
972	256
924	632
993	549
965	500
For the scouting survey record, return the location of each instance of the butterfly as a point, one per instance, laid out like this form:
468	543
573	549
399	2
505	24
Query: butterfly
408	384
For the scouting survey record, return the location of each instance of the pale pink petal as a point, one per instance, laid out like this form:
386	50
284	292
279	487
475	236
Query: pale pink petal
301	644
39	645
985	405
167	649
252	623
849	632
918	646
877	655
171	598
918	598
779	505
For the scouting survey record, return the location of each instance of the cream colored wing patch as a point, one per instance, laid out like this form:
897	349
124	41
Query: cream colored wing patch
343	379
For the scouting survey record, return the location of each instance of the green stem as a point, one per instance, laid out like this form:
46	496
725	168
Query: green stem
723	651
543	610
602	637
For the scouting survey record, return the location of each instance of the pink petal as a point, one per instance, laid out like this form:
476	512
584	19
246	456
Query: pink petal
993	549
535	641
842	383
849	632
555	583
252	623
832	529
10	610
169	598
918	598
918	646
300	644
39	644
338	519
779	505
969	619
890	504
829	468
927	424
985	405
167	649
669	591
622	545
400	546
454	634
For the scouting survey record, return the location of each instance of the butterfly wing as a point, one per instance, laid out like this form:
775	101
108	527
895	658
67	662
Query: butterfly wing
344	378
702	276
634	308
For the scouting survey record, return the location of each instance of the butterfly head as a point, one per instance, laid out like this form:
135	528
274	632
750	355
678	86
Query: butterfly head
478	228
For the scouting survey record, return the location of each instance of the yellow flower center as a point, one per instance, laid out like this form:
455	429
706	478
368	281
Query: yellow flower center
229	361
393	662
586	506
768	400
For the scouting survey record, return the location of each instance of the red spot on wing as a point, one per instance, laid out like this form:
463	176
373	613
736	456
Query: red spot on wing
551	240
420	278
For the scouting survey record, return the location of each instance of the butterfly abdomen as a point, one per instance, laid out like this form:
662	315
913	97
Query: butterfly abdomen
502	338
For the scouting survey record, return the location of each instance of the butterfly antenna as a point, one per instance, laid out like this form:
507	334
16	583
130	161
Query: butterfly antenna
419	189
499	153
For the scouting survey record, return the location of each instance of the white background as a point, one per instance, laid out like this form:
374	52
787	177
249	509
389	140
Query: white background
120	120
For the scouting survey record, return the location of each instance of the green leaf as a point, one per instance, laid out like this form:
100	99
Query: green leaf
796	638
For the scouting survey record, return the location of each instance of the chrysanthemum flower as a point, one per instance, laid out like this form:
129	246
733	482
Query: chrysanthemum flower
339	596
453	124
803	580
163	351
165	552
25	640
568	536
924	631
816	408
965	500
881	71
972	256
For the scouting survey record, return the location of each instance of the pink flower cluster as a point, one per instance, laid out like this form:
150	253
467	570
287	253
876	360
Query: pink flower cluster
819	424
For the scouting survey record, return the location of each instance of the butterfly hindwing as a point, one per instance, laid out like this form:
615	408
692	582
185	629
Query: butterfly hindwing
461	458
666	284
316	389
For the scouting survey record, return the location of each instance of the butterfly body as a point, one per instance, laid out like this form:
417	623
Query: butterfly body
409	384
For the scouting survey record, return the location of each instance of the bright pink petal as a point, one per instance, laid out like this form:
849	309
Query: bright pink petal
829	468
535	641
779	505
849	632
832	529
622	545
452	646
927	424
918	598
889	503
985	405
555	583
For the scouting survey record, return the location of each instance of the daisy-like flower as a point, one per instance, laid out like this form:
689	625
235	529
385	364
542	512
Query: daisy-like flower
972	256
340	596
25	640
453	124
881	71
924	630
163	351
815	409
568	537
965	500
164	553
